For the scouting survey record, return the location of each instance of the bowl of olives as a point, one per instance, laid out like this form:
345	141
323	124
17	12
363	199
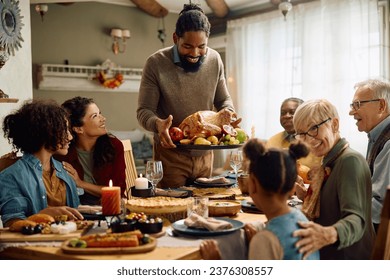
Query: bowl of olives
124	226
145	223
151	225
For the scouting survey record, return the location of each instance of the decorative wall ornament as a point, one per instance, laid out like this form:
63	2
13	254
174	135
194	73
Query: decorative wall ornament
10	26
3	57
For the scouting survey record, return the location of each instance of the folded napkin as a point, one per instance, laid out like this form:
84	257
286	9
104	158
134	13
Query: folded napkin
216	180
171	193
89	209
211	224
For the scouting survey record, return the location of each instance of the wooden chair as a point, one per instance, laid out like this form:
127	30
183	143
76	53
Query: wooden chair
382	241
131	170
7	160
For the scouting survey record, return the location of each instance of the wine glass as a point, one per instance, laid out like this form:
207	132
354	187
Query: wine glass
236	161
154	173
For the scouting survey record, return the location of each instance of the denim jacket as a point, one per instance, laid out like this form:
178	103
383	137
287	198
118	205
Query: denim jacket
22	191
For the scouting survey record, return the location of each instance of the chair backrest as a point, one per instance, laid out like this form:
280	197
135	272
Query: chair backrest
7	160
131	170
382	241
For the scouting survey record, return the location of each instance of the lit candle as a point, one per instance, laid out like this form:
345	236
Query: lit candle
141	183
253	132
111	200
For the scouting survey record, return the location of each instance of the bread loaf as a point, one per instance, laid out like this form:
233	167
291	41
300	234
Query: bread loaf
126	239
18	225
41	218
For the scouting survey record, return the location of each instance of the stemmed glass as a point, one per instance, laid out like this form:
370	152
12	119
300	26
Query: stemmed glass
154	173
236	162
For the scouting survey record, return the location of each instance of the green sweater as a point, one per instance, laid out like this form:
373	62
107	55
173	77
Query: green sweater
166	89
346	204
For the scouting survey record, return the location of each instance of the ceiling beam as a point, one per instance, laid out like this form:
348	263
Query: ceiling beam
151	7
219	7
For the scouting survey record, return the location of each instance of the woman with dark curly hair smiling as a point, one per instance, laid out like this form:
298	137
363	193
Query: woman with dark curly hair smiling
95	157
37	183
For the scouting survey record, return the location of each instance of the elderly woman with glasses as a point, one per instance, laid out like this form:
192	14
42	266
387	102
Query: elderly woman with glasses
338	200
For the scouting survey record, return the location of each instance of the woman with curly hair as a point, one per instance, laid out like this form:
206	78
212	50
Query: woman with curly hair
95	157
37	183
273	173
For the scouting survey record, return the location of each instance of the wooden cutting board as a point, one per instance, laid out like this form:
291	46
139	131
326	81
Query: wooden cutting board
8	236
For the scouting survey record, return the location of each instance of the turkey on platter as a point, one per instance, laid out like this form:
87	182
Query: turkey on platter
208	123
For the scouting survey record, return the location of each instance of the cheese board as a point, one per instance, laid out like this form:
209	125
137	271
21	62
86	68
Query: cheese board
8	236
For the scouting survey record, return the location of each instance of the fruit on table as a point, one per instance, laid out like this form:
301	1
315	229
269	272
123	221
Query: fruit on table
185	141
213	139
201	141
228	140
228	129
241	135
176	134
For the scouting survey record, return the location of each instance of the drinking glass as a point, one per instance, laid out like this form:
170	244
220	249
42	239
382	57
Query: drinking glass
154	173
236	162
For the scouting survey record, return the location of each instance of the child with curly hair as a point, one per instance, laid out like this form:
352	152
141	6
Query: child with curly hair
273	173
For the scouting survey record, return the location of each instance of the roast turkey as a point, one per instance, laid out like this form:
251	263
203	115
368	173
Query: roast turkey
208	123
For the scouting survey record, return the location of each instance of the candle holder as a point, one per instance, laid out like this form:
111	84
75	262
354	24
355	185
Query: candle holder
111	219
142	192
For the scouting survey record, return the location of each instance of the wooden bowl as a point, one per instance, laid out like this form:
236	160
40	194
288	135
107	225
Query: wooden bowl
224	208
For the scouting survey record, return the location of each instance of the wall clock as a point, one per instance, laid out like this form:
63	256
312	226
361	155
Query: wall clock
10	26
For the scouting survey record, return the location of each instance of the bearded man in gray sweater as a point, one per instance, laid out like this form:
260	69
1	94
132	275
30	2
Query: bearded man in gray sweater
178	81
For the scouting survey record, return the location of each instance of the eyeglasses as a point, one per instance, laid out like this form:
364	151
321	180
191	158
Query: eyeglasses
356	104
312	132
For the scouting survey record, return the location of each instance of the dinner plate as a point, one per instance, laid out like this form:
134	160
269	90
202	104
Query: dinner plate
233	176
250	208
207	147
207	185
180	227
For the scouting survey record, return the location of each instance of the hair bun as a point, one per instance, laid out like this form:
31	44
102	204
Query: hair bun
298	150
254	149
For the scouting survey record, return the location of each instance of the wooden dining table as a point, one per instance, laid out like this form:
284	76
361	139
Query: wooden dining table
166	252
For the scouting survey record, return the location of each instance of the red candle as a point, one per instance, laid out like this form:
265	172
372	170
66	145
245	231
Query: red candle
111	200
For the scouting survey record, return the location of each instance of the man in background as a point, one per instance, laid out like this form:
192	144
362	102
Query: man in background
283	139
370	109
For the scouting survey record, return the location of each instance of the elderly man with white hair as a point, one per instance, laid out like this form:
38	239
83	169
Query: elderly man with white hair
370	109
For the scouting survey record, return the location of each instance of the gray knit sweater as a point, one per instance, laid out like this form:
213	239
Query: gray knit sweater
166	89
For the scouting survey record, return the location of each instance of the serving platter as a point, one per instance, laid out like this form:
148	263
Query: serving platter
180	227
66	248
207	147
